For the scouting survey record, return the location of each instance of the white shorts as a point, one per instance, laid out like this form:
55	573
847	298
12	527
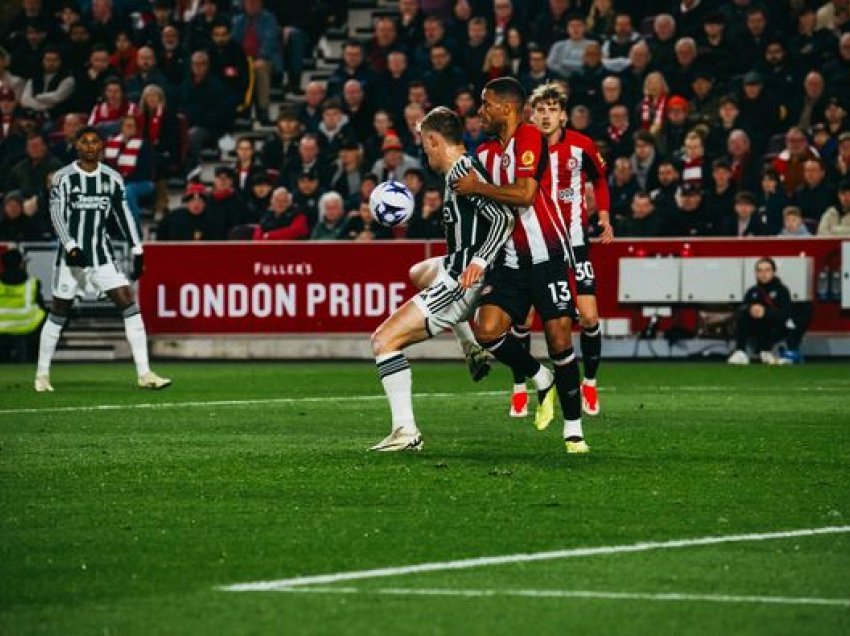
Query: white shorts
68	282
445	303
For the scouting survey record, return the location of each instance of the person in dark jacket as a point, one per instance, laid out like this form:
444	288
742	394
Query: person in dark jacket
763	316
283	221
193	222
746	220
645	221
203	99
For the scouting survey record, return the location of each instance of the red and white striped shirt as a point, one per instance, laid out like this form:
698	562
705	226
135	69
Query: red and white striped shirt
539	234
123	155
573	162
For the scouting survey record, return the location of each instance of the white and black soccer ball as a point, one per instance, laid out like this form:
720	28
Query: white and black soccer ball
391	203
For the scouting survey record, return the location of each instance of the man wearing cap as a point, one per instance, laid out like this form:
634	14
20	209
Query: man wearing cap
307	195
394	163
225	204
192	222
759	112
21	309
690	218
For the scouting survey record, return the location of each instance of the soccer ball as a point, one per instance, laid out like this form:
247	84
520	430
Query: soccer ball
391	203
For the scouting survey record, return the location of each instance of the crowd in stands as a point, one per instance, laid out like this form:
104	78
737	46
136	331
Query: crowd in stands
715	117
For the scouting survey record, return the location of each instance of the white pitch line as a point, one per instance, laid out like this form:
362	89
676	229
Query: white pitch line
465	564
583	594
258	401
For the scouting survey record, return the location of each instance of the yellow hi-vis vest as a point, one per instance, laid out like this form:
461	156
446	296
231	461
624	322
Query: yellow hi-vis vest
19	311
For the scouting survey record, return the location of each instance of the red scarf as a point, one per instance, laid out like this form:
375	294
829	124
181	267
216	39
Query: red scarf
616	134
121	155
652	115
104	113
150	124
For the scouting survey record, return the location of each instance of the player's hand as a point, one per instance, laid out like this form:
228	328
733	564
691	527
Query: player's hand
466	184
757	311
138	267
75	258
607	234
471	275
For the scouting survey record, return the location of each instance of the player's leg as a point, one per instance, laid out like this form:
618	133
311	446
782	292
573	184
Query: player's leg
423	274
553	300
107	277
591	351
505	300
406	326
743	328
519	394
66	281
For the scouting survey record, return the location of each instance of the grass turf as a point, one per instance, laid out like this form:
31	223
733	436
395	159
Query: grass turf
123	521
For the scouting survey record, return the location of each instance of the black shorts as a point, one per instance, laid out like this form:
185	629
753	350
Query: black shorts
585	277
544	286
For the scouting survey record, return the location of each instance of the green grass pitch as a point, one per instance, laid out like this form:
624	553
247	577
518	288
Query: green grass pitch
128	520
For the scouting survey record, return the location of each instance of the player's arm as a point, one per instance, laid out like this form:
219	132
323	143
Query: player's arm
595	166
127	224
58	203
518	194
501	226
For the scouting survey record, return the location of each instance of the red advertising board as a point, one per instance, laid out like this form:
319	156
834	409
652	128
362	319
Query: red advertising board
300	287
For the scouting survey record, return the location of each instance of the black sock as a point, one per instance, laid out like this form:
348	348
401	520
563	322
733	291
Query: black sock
510	352
591	350
524	336
567	383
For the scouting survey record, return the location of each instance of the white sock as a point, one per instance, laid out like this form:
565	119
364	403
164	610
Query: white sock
519	388
397	379
50	334
138	339
589	381
572	428
543	379
464	335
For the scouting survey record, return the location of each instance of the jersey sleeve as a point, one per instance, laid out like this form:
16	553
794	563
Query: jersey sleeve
123	214
58	204
501	220
594	165
530	153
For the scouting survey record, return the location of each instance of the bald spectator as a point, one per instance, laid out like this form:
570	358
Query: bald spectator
147	72
816	194
310	111
662	43
357	109
681	73
745	166
171	55
789	164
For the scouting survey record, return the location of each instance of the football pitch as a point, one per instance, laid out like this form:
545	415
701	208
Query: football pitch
242	500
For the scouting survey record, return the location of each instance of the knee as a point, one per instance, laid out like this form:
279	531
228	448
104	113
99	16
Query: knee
588	318
488	331
380	342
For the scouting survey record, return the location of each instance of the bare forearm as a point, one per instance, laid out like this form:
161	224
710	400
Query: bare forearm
515	194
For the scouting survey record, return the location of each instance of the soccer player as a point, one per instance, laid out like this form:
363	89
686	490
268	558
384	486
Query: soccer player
83	196
476	229
575	162
534	270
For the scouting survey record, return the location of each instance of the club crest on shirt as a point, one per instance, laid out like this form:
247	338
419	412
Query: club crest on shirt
527	158
506	161
572	163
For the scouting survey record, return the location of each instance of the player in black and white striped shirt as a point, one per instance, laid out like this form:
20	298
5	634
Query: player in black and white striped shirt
83	196
476	229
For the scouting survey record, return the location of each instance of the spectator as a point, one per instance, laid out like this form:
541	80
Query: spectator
552	24
752	42
229	64
382	123
619	134
130	154
473	131
645	161
759	113
29	175
334	129
653	106
357	109
105	22
813	45
586	83
258	197
332	222
414	179
78	48
474	51
112	108
301	26
49	91
644	222
720	197
714	48
780	75
224	203
745	222
600	19
65	149
309	158
247	163
199	28
703	104
517	51
394	163
612	95
280	149
816	194
833	15
681	73
763	315
410	22
503	18
256	30
283	221
639	68
622	185
690	218
808	107
171	55
836	220
427	222
693	159
672	137
307	195
124	57
716	141
353	66
444	78
664	197
793	225
842	162
690	15
157	123
773	201
192	221
89	82
8	79
310	111
615	50
580	120
835	117
384	42
203	100
837	70
567	56
15	226
662	44
147	73
362	227
28	54
11	141
496	63
349	174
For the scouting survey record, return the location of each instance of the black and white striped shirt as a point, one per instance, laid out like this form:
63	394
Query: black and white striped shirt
80	206
476	227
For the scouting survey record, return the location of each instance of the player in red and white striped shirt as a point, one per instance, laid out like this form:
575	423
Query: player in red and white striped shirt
533	271
574	164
